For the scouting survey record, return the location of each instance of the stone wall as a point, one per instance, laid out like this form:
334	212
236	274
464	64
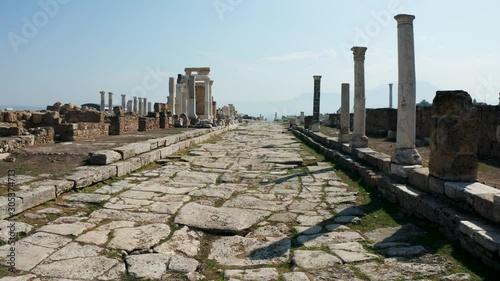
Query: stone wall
149	123
43	135
123	124
380	120
90	116
81	131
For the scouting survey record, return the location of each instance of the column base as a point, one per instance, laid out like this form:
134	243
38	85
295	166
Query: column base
406	156
358	141
314	128
344	138
403	171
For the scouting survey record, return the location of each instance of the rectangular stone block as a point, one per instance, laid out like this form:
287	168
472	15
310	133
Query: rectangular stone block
455	190
153	144
403	171
35	196
61	186
149	157
135	163
88	175
436	185
486	235
166	151
409	197
104	157
473	190
122	168
419	178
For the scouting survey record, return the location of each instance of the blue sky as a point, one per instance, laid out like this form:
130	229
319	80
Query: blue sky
260	51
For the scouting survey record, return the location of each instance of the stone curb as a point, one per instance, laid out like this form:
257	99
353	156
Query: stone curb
144	153
477	236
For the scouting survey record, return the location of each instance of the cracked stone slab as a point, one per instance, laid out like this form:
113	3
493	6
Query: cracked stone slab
242	251
324	239
138	238
87	197
184	241
75	250
66	229
251	202
129	216
19	227
27	255
405	233
295	276
219	192
148	266
181	264
261	274
228	220
314	259
88	268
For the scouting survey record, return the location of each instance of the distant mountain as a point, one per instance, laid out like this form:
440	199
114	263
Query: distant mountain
330	101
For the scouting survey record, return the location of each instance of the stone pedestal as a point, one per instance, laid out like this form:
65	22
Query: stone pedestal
454	137
405	153
135	105
317	89
192	98
345	118
103	100
358	137
308	121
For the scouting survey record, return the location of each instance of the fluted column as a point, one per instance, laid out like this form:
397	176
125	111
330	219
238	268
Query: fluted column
405	152
358	138
345	118
316	106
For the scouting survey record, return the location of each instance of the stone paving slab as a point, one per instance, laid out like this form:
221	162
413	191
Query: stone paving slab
242	208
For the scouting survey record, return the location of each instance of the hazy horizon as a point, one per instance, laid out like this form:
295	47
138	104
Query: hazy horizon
260	52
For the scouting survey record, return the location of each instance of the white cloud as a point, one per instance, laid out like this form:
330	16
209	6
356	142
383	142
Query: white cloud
330	54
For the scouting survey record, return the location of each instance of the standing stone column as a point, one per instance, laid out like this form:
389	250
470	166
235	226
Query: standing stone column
405	153
345	117
178	99
214	111
135	105
358	138
103	100
123	101
192	98
129	106
302	116
145	104
454	137
110	102
150	107
317	86
390	95
140	107
210	102
171	95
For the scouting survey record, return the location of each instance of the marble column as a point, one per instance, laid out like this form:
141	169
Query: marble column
405	153
390	95
103	100
110	102
178	99
214	110
185	99
210	102
140	107
145	104
171	95
358	138
345	118
129	106
302	116
192	98
317	86
135	105
123	101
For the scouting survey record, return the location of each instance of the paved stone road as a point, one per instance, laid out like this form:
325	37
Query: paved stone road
242	208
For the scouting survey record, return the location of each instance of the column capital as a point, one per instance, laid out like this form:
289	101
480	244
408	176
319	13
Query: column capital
211	82
359	53
102	92
110	93
404	19
123	95
317	77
